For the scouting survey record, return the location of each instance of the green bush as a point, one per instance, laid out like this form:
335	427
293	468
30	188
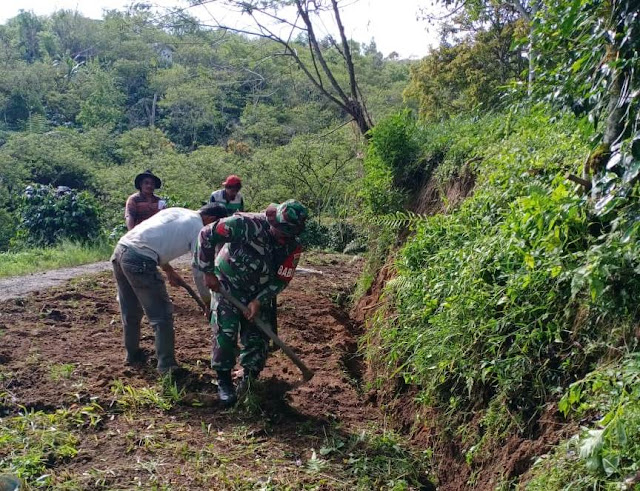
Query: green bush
49	215
606	453
315	235
7	229
394	142
51	158
378	193
335	236
340	234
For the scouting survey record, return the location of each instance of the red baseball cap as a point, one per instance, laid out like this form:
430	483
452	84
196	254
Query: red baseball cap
232	181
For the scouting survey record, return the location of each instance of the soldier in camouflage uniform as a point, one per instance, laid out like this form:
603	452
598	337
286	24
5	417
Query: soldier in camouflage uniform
257	261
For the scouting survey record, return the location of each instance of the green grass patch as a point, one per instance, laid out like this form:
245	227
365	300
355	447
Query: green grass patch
43	259
131	398
59	372
35	441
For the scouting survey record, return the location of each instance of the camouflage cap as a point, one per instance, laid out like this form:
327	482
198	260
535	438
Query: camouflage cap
288	217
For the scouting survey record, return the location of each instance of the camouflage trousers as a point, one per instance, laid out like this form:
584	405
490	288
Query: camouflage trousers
227	323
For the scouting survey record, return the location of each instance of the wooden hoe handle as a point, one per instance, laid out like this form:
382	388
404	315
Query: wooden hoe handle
307	373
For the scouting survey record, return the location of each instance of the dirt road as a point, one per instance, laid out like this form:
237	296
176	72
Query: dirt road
61	357
19	286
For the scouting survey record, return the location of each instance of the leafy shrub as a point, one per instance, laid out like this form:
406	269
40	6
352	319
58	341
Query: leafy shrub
51	159
448	146
607	452
49	215
315	235
340	234
378	193
7	229
142	145
335	236
394	142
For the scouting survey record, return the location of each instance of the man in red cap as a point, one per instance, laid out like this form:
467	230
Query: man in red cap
230	195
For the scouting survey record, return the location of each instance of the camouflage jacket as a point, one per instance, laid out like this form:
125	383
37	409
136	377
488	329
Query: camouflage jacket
250	261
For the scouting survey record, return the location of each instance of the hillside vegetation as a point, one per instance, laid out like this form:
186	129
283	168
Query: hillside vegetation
509	322
88	104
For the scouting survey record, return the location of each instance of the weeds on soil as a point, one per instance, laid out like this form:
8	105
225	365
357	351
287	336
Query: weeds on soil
59	372
132	398
374	460
35	441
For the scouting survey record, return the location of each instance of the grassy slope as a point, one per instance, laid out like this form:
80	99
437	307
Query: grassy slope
500	305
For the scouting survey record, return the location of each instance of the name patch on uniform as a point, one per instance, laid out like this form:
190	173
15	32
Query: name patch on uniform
288	267
222	229
285	272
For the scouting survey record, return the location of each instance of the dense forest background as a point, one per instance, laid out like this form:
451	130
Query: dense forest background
494	185
88	104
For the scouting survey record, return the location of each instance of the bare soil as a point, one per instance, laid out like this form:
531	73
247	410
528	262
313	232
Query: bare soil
197	444
442	198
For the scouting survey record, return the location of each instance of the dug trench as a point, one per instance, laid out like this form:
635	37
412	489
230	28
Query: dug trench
61	357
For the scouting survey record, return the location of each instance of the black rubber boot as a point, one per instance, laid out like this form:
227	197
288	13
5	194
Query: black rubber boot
226	392
137	358
245	384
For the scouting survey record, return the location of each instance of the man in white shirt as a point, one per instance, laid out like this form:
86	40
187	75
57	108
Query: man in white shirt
155	242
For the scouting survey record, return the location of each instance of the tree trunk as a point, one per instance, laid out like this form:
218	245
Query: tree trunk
532	47
616	110
152	116
532	65
357	112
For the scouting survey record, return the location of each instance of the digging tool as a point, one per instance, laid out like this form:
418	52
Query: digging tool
307	373
193	294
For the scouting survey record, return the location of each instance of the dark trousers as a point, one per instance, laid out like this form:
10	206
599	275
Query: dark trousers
141	287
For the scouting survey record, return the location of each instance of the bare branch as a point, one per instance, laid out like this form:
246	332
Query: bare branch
317	70
347	51
314	42
578	180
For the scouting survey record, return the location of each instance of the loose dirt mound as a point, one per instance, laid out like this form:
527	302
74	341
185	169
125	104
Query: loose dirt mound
79	324
441	198
62	348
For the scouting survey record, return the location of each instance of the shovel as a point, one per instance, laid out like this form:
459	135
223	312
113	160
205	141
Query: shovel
307	373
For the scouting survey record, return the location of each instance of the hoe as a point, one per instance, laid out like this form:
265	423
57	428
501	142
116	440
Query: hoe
307	373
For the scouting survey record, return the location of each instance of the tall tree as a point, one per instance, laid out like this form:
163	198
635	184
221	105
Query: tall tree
268	20
29	25
493	15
